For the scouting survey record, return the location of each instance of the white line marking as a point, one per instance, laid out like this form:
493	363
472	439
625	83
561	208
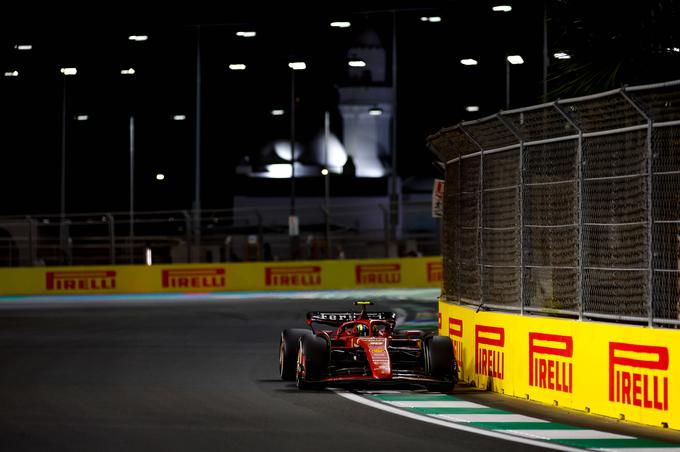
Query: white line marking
488	418
567	434
639	449
384	391
461	427
434	404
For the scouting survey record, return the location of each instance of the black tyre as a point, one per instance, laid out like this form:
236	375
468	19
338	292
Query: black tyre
440	363
312	362
288	351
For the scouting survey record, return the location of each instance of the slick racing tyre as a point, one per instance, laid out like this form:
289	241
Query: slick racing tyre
288	351
440	363
312	362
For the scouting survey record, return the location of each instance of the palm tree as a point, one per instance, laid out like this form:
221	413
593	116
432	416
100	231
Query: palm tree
612	44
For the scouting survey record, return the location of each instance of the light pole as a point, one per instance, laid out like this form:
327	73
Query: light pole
131	146
394	196
510	59
293	224
66	72
197	178
132	189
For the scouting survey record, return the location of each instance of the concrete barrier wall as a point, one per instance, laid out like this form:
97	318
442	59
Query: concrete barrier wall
411	272
623	372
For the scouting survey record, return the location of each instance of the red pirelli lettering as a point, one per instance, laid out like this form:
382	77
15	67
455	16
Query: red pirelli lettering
630	381
546	371
489	362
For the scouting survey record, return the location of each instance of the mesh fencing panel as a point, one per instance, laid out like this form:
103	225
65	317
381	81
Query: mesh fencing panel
551	225
573	207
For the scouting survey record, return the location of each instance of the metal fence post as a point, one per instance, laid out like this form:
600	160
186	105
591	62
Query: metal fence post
326	215
520	196
31	245
112	238
260	234
386	228
480	220
187	232
579	180
650	220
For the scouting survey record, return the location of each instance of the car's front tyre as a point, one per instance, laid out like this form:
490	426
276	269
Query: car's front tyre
288	351
312	362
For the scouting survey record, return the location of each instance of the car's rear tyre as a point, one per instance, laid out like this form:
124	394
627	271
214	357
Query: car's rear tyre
288	351
440	363
312	362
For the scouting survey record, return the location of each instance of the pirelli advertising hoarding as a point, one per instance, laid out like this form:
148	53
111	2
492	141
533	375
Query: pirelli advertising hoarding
624	372
411	272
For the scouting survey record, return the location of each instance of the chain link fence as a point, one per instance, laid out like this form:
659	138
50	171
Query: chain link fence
360	230
567	208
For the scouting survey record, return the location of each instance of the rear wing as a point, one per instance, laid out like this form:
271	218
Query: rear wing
338	318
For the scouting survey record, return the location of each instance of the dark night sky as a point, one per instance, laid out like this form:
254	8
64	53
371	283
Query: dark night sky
433	87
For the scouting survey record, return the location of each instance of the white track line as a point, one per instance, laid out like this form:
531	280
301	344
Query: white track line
488	418
462	427
568	434
640	449
434	404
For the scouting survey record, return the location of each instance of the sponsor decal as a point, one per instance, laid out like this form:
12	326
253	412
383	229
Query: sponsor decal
378	273
434	272
377	350
550	361
638	375
193	278
456	335
308	275
489	351
81	280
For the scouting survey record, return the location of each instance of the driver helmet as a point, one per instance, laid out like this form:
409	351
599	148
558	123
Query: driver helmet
362	330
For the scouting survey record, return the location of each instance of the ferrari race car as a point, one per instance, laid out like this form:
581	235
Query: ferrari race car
353	348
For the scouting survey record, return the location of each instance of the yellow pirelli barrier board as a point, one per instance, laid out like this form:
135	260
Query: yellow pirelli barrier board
411	272
624	372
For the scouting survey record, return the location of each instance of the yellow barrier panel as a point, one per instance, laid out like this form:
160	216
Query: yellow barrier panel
412	272
624	372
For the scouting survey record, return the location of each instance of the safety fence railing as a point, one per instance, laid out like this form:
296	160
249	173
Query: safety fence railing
568	208
335	231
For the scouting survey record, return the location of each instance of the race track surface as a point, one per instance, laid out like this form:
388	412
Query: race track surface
182	375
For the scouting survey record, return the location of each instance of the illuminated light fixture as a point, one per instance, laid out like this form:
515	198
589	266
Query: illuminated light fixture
277	112
237	67
297	65
324	172
246	34
82	118
127	72
430	19
673	49
12	74
472	108
357	63
179	117
502	8
138	38
468	62
341	24
375	111
160	176
562	56
68	71
148	256
23	46
515	59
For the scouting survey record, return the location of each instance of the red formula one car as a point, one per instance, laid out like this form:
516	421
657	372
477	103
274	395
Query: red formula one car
364	348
